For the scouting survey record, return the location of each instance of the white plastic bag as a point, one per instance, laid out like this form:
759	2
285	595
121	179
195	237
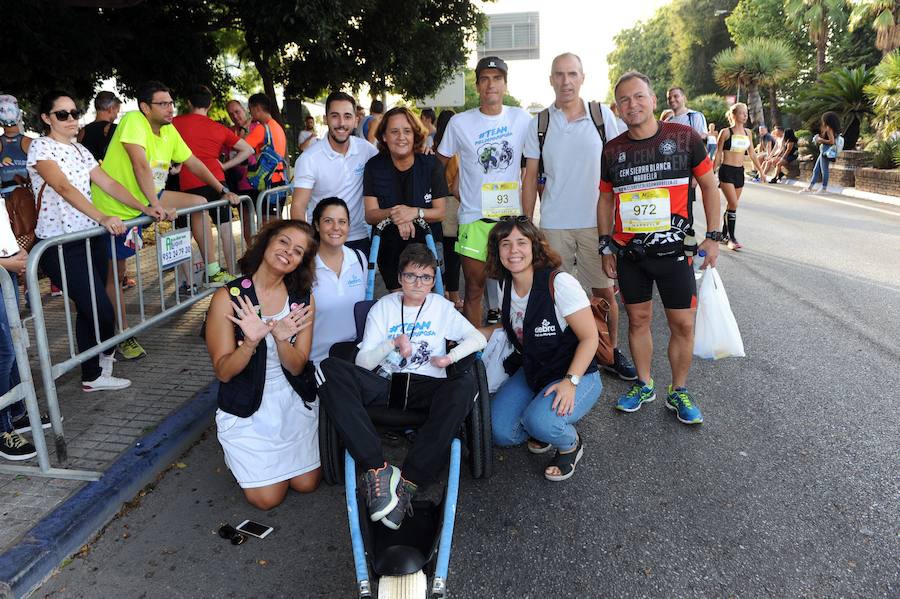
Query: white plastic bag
497	349
716	333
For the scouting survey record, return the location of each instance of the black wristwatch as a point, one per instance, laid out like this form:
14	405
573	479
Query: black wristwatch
604	242
224	191
714	235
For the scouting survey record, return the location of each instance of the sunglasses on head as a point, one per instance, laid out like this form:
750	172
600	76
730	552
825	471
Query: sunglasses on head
519	219
63	115
230	532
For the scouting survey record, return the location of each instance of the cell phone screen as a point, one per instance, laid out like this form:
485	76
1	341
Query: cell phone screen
254	528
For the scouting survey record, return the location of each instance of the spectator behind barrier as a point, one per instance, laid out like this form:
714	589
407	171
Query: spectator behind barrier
340	278
259	335
403	348
401	184
95	136
554	380
236	177
61	173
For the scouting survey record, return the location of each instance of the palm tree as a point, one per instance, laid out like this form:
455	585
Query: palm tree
758	62
816	16
883	16
884	91
843	91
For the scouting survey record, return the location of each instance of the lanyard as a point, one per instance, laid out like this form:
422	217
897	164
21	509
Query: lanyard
403	324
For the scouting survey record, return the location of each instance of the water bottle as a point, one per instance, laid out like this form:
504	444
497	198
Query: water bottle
698	263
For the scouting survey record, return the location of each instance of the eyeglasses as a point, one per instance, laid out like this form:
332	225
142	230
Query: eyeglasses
230	532
412	278
519	219
63	115
168	104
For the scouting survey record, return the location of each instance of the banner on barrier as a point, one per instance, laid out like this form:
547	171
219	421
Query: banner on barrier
174	248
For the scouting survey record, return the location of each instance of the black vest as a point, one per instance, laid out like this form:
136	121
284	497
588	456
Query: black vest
545	352
242	395
386	187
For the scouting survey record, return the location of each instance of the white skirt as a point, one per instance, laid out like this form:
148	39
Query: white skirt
278	442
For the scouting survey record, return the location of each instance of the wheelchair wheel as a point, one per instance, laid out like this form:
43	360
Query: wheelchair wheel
474	440
331	453
485	431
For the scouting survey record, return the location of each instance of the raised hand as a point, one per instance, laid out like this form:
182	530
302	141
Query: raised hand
253	327
297	320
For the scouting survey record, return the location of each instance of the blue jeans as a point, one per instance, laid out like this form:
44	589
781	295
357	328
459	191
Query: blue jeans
820	170
517	412
711	150
9	373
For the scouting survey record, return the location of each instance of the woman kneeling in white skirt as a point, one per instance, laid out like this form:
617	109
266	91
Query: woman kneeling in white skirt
259	334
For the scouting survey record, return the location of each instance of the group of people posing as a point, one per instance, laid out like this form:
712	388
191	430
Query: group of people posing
615	197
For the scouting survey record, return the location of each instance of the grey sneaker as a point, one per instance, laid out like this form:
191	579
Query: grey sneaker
405	492
381	490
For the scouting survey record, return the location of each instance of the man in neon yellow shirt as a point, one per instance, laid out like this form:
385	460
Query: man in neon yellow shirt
143	148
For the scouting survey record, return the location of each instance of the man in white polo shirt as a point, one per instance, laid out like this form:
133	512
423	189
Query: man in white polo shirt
568	169
335	169
489	142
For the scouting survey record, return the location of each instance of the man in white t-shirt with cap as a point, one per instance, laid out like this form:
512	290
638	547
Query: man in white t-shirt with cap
489	141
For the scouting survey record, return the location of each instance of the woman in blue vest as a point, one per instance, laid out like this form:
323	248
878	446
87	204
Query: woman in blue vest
402	184
259	335
547	317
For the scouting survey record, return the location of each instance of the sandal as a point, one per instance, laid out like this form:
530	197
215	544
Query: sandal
566	463
538	447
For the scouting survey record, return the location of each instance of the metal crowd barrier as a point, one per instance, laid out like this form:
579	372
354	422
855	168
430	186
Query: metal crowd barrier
273	204
50	371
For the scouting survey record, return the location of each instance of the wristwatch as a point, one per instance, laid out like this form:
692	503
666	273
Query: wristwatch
224	191
604	242
574	379
421	213
714	235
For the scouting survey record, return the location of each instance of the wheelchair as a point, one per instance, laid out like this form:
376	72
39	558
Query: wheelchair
403	559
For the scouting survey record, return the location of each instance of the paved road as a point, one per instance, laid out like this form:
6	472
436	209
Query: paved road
790	489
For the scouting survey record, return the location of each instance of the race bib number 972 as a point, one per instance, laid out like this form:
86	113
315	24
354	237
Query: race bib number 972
646	211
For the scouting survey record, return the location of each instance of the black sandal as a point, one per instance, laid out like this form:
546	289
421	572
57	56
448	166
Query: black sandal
538	447
565	462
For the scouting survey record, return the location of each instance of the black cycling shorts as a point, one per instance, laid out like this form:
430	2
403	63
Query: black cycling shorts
673	275
732	174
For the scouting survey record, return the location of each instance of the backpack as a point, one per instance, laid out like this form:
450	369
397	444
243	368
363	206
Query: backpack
600	311
267	164
23	213
544	124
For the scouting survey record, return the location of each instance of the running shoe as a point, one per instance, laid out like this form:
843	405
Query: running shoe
55	291
734	245
621	367
381	491
493	316
22	425
680	401
639	394
105	383
221	278
405	492
131	349
13	446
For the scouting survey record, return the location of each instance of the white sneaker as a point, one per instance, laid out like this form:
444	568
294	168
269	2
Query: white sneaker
105	382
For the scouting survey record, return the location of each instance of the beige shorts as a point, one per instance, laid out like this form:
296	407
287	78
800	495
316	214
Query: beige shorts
580	245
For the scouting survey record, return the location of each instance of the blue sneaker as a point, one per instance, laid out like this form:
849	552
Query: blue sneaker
639	394
681	402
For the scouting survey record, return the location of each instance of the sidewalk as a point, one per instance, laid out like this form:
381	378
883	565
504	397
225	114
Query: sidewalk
849	192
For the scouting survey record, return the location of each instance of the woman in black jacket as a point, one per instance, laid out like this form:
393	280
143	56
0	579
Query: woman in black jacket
259	335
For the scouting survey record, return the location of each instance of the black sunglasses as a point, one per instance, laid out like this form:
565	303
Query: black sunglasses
230	532
63	115
519	219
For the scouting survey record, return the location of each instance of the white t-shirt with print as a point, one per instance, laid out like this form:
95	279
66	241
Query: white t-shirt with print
335	295
569	297
490	151
438	321
57	216
332	174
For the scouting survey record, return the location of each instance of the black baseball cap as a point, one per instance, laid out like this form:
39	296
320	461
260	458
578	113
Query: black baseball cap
490	62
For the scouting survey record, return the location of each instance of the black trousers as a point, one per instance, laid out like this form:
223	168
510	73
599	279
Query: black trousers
76	263
346	389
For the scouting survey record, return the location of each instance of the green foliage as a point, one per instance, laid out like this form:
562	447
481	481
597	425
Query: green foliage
884	92
882	16
816	18
841	91
759	61
713	108
698	35
885	153
646	47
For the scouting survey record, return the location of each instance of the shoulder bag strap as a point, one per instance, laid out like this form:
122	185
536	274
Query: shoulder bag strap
542	126
597	117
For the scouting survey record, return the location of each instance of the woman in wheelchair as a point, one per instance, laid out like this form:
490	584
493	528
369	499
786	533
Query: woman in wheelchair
259	333
553	380
402	360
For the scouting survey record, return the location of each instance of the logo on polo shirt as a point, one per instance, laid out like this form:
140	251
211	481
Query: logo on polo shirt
354	281
545	330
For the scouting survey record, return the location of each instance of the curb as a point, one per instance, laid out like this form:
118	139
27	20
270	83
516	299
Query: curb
847	192
63	531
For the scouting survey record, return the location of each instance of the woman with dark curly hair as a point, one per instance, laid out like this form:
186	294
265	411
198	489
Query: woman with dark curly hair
829	132
259	335
404	185
547	317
